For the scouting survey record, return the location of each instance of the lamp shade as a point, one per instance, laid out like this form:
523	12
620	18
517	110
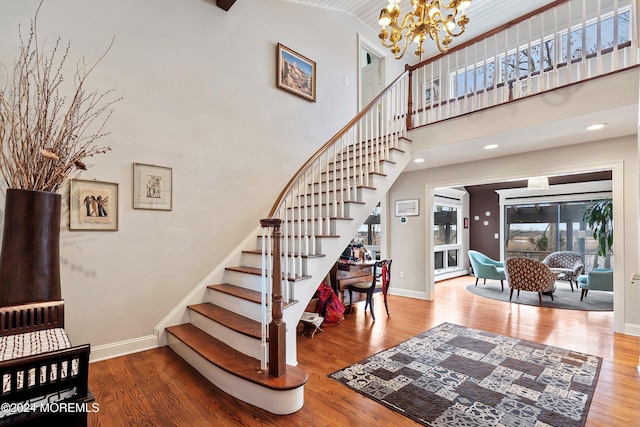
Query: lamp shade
538	183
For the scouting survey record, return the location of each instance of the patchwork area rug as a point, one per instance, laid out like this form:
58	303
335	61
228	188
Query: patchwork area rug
456	376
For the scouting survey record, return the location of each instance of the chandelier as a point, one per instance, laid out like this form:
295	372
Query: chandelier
436	19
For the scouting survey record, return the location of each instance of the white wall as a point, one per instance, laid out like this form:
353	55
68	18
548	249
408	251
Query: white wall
408	248
200	97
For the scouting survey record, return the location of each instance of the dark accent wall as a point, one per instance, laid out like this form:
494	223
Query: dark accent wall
484	200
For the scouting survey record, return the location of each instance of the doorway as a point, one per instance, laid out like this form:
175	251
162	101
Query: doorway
617	195
371	72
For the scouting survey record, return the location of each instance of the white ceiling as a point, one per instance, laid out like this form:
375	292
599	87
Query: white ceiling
483	15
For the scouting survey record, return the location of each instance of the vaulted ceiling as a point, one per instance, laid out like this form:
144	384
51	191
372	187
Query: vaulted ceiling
483	15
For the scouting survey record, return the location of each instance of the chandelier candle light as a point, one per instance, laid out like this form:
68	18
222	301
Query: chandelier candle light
435	18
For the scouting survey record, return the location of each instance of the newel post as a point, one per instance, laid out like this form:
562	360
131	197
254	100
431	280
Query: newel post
277	328
409	98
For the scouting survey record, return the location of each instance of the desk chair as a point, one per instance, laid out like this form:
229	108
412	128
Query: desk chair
381	278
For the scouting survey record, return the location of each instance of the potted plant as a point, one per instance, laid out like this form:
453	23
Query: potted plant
47	131
599	218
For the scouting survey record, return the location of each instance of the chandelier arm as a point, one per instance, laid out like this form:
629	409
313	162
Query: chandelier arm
435	36
408	17
404	47
451	33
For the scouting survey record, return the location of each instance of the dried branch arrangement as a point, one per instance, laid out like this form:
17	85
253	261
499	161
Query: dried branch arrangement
45	136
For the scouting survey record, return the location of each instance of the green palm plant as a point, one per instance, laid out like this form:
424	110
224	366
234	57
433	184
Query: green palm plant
599	217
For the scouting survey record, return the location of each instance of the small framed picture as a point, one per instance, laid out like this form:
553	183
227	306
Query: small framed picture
409	207
295	73
431	90
152	187
93	205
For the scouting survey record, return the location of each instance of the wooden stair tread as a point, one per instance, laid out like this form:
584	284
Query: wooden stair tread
331	218
321	236
291	254
234	362
227	318
318	194
237	291
315	205
258	271
332	180
243	293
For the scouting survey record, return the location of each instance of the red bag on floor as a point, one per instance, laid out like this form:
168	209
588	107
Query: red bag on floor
329	306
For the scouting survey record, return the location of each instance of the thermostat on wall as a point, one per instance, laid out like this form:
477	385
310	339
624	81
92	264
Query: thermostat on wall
403	220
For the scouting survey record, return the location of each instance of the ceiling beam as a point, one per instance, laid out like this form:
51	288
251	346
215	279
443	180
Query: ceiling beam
225	4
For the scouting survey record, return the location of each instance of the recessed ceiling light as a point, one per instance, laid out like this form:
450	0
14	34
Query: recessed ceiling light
596	126
419	160
490	146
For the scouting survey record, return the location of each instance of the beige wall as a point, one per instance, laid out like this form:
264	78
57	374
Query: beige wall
200	97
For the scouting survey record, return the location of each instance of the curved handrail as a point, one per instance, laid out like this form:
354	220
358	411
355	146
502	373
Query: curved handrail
329	144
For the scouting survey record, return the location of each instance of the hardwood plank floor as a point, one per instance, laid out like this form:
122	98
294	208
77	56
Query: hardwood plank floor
157	388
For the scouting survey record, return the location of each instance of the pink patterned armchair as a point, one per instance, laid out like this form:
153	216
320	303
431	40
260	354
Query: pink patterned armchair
529	275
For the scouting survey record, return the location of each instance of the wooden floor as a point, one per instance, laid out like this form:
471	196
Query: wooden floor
157	388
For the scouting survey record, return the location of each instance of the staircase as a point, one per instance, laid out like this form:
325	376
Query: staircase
220	328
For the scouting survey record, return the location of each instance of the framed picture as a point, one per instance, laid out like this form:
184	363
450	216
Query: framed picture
296	74
93	205
431	90
152	187
408	207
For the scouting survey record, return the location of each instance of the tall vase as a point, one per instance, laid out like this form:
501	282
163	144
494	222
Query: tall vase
30	257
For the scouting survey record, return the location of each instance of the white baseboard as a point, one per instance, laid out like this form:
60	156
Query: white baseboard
121	348
451	274
632	329
408	293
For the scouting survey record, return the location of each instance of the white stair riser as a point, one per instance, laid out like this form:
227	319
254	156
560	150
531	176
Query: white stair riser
341	188
277	402
255	260
241	306
297	266
319	226
333	210
244	344
327	197
341	172
305	244
244	280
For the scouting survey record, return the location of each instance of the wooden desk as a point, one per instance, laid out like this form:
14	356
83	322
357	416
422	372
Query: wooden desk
344	273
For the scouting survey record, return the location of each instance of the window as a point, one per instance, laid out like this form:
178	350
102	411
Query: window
445	227
611	30
585	39
536	230
446	220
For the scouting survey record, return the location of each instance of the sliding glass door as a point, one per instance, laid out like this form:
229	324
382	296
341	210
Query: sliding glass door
534	230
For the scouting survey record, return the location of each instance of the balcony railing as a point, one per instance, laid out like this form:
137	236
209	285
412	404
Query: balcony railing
563	43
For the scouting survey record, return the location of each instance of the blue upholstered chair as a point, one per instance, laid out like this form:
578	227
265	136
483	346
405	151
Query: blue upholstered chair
486	268
599	279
